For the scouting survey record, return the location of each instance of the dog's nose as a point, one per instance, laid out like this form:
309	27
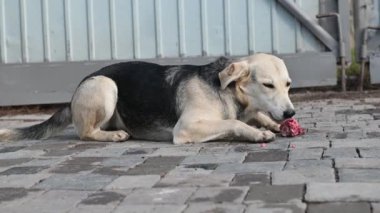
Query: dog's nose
289	113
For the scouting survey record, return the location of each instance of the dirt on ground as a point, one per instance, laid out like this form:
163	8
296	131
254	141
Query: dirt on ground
295	95
304	95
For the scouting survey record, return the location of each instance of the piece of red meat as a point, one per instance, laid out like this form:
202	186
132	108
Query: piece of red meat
291	128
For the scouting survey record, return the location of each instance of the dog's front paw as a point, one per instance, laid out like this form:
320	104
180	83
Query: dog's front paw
266	136
120	136
275	128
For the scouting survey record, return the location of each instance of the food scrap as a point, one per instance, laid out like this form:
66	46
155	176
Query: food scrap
291	128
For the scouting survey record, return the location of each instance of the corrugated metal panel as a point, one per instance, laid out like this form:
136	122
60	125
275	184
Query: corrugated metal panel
82	30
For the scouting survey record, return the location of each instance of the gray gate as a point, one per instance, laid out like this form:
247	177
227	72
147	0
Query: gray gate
48	46
367	24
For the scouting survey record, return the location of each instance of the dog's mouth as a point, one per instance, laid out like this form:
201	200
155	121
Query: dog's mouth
274	118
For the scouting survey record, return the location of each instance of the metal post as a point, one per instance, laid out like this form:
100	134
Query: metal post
342	47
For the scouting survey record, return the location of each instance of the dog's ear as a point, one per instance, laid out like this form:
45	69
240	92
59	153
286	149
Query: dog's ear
234	72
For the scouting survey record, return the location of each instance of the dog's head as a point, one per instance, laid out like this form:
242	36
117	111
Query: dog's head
261	82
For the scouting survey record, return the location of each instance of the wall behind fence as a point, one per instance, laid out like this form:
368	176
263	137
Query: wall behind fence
90	30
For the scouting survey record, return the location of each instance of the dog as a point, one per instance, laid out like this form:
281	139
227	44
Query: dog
183	104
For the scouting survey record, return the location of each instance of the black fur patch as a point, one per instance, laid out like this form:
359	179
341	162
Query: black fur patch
144	94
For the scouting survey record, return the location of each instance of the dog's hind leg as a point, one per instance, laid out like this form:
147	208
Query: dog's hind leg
92	106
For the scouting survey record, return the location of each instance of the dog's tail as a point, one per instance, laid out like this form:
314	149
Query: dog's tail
56	123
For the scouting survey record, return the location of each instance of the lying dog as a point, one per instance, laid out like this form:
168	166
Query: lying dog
185	104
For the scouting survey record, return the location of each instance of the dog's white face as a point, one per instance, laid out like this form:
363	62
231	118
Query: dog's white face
264	83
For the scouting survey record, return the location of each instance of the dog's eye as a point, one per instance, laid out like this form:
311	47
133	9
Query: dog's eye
268	85
287	84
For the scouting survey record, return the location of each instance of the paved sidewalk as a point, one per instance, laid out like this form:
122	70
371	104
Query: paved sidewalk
335	167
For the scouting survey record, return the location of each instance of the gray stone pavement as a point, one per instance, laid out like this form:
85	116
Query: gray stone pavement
335	167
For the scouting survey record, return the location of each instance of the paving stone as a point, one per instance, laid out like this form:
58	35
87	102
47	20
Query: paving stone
219	195
357	163
215	150
138	151
339	207
215	158
76	182
370	152
303	175
24	181
274	194
329	124
130	208
279	144
375	207
250	179
208	166
353	128
359	117
59	152
125	161
12	162
85	161
217	208
254	167
200	180
86	145
112	170
13	197
80	208
24	142
102	198
43	162
310	144
23	170
22	154
306	154
73	168
193	169
328	129
267	156
291	207
304	164
52	201
337	135
213	171
11	149
342	192
9	194
359	175
176	151
159	196
137	181
359	143
156	166
108	151
51	145
340	153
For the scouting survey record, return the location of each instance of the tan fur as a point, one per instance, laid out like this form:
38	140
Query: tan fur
7	134
202	119
90	112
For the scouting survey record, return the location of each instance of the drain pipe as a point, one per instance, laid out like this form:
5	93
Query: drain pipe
342	47
364	54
